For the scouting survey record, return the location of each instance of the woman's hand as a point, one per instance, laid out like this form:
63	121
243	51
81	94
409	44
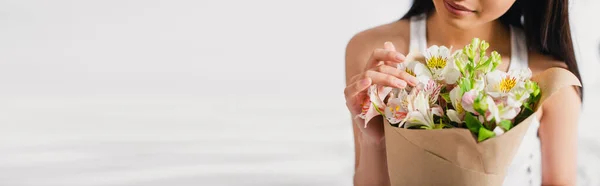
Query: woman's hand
381	69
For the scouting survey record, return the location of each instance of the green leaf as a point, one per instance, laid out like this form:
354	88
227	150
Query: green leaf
465	84
485	134
446	97
472	123
505	124
479	104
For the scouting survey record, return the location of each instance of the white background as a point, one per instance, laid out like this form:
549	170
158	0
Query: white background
182	92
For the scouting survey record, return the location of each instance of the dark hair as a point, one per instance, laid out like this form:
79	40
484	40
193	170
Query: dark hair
545	23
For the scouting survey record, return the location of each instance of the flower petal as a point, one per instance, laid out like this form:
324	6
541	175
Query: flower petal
444	52
479	84
453	115
437	110
377	105
494	77
468	99
498	131
509	113
431	51
455	96
493	112
451	75
420	69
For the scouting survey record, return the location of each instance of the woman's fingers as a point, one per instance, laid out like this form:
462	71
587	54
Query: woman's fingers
397	73
381	69
357	87
384	79
386	56
389	46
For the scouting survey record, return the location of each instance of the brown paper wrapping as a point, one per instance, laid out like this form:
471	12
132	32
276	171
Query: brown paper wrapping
453	156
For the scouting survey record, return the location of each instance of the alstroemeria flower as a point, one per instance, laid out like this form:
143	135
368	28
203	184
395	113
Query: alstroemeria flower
432	89
420	111
499	111
517	97
416	69
373	105
458	113
498	131
441	64
397	108
468	98
501	84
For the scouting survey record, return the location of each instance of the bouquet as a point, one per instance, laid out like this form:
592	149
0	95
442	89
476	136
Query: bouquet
465	119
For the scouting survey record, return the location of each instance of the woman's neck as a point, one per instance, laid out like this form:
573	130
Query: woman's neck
446	34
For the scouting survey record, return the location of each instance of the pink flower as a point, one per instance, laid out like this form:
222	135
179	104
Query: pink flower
467	101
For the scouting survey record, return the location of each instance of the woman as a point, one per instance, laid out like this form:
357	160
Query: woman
534	34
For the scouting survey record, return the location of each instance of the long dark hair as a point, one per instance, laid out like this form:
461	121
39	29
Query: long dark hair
545	23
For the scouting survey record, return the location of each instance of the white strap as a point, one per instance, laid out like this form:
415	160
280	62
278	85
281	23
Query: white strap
418	31
518	57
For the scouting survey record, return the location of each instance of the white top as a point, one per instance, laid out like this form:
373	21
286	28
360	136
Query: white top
526	166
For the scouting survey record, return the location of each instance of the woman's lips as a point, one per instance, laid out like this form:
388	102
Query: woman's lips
457	9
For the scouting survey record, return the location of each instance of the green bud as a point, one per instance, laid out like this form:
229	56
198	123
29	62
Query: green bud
469	52
496	60
460	61
532	87
475	42
480	105
484	45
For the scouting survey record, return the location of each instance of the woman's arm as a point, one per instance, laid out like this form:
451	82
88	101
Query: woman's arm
370	154
365	53
372	168
558	136
370	157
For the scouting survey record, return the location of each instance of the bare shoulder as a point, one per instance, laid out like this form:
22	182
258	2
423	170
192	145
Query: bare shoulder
566	97
361	45
539	62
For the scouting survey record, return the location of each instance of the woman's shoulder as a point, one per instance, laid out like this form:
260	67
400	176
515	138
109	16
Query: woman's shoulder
365	41
539	62
362	44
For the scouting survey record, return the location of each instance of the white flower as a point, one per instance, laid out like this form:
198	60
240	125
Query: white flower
416	69
397	108
441	64
501	84
468	98
432	89
373	105
499	112
498	131
458	113
420	112
493	113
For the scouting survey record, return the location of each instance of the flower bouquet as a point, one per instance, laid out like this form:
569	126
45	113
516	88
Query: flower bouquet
464	121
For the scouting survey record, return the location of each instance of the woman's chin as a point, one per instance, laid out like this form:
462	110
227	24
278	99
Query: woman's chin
458	22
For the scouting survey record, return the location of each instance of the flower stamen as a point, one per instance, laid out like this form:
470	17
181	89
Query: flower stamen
410	72
436	62
459	108
507	84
